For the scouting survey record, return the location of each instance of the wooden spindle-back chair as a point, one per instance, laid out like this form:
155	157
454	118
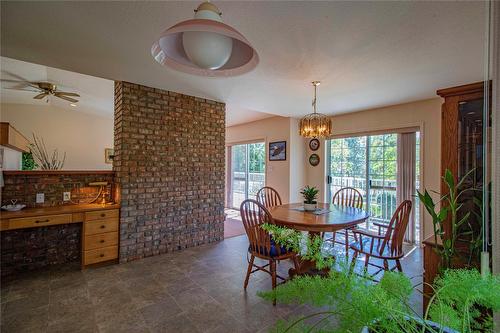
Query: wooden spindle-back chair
269	197
349	197
388	246
262	246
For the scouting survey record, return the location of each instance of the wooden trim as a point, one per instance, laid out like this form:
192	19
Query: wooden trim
57	172
398	130
460	90
65	209
12	138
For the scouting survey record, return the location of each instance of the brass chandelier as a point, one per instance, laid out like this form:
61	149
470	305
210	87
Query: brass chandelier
315	125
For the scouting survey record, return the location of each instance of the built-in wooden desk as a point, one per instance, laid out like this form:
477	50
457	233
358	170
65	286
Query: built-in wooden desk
100	225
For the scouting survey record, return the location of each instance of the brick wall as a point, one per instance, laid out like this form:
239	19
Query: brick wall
23	186
26	250
169	162
30	249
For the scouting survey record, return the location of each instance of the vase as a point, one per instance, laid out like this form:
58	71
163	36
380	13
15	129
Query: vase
310	207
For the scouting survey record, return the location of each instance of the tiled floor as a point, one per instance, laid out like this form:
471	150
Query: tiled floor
196	290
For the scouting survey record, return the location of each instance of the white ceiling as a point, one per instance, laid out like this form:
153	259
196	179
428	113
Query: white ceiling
367	54
96	94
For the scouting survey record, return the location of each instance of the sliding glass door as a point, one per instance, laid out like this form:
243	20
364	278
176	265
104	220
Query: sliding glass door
247	172
367	163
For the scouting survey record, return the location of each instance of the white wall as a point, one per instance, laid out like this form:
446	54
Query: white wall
269	130
82	136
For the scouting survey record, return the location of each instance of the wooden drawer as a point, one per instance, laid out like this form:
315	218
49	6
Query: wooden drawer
97	241
101	214
39	221
101	226
99	255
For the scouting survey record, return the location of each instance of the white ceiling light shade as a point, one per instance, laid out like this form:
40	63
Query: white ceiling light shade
205	46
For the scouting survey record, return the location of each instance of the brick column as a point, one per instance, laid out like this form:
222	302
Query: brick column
169	164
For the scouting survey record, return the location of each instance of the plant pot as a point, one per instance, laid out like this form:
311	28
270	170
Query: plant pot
310	207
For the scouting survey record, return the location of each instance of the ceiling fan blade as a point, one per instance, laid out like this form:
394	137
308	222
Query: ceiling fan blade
19	89
40	96
72	100
61	93
19	78
14	81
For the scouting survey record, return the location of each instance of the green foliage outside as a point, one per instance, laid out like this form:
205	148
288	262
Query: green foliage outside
256	155
28	162
348	156
348	302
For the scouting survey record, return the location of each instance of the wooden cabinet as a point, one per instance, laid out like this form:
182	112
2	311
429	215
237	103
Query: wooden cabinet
100	235
462	152
462	148
100	225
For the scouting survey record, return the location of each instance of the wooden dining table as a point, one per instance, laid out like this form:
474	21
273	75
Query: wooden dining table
328	218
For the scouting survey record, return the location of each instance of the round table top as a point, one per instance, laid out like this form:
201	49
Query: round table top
336	218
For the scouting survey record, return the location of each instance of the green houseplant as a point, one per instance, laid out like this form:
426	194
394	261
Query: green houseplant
310	195
446	245
353	303
28	162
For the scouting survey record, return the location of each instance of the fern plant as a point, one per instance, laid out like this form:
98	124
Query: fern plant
352	303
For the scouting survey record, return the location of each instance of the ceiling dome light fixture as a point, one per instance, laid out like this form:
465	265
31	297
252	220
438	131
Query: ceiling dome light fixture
205	46
315	125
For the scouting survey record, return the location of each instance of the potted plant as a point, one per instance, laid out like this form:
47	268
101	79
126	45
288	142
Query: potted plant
354	303
446	245
310	195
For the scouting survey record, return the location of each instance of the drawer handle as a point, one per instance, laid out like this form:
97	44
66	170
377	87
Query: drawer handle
102	240
103	226
103	215
101	255
42	221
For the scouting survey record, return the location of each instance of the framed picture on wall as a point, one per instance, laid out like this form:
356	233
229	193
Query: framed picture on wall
277	151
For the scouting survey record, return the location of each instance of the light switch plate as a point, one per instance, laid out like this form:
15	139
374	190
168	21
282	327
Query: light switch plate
40	198
66	196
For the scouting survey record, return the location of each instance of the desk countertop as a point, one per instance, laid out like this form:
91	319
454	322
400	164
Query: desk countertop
64	209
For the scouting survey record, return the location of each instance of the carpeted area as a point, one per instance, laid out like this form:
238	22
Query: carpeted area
233	227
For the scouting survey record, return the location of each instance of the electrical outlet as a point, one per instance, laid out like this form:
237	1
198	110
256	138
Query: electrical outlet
40	198
66	196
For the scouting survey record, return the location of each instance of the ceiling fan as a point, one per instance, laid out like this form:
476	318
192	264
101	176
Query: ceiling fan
44	89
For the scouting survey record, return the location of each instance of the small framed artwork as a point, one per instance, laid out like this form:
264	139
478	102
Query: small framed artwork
314	144
314	159
277	151
109	154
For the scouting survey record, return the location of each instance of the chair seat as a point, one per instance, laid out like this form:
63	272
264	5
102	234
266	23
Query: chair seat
366	242
273	252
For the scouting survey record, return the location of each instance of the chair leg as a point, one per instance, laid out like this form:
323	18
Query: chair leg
249	270
367	261
346	243
353	262
272	265
386	265
296	263
398	265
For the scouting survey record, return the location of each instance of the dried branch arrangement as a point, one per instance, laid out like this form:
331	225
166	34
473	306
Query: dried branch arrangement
39	151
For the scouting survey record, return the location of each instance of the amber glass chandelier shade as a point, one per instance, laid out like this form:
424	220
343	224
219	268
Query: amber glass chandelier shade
315	125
